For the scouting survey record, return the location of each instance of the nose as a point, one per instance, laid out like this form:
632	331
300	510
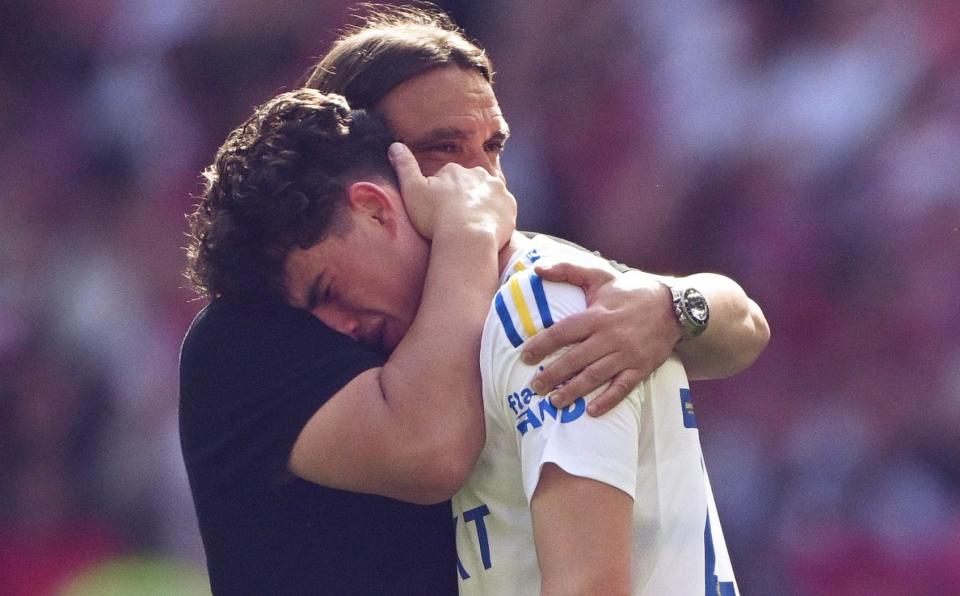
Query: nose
340	321
349	326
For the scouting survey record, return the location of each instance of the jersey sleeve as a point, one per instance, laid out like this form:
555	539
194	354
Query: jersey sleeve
602	449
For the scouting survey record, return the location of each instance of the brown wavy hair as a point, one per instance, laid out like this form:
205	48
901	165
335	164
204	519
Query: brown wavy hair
277	183
391	45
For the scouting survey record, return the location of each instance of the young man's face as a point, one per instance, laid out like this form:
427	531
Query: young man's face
364	281
448	114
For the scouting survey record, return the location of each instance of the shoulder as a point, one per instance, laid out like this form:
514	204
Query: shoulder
571	248
224	315
526	304
251	376
231	328
264	351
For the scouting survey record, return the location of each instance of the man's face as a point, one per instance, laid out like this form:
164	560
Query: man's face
448	114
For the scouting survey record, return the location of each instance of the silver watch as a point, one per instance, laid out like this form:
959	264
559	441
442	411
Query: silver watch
691	309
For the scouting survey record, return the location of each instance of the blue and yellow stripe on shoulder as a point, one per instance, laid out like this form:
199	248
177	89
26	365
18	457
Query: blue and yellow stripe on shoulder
522	307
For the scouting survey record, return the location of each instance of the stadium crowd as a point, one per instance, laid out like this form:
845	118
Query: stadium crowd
807	149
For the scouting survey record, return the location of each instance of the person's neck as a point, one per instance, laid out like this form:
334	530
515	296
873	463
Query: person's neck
517	242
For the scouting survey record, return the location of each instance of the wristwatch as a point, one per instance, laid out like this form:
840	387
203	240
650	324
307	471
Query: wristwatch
692	311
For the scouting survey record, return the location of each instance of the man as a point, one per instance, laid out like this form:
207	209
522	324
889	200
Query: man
559	501
396	63
267	389
564	503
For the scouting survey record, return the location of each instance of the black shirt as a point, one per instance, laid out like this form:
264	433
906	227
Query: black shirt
251	376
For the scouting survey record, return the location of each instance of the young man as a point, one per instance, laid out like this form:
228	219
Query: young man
559	501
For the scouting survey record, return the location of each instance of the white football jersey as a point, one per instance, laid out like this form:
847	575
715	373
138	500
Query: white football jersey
648	446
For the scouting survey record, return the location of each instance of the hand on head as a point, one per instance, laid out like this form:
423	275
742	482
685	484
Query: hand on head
453	198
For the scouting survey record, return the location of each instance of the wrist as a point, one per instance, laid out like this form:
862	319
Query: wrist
468	242
690	310
464	231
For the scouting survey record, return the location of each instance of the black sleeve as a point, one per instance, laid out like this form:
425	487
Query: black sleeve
251	376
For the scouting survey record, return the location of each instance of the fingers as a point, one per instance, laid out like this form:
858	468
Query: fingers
573	362
587	278
587	380
621	385
569	331
405	165
419	203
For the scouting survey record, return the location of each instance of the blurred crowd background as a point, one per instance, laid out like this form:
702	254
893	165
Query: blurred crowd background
810	149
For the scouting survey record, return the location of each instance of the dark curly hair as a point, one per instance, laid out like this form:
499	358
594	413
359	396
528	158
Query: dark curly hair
391	45
278	183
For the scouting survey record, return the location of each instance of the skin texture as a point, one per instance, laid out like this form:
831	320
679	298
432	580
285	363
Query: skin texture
583	531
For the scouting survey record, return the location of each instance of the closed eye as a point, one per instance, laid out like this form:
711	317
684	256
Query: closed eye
318	294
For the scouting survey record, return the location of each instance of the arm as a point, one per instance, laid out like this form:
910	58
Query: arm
630	329
736	335
413	428
583	532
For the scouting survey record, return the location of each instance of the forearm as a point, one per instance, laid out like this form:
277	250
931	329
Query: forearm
583	532
736	334
431	382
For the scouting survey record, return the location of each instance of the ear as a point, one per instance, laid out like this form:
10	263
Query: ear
374	204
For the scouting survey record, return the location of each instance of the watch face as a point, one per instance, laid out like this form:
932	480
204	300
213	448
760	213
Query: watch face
696	307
